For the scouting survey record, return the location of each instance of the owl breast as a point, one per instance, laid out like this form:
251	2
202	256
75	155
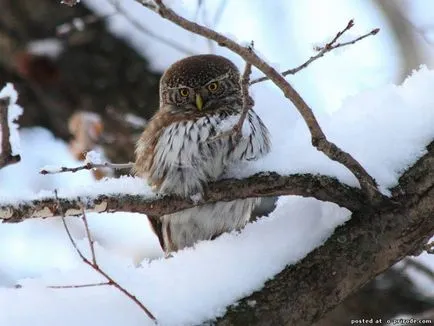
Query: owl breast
182	157
186	156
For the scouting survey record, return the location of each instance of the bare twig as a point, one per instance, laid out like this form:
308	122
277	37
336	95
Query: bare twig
6	157
147	4
318	137
219	12
332	45
78	286
143	29
236	130
89	238
247	100
93	264
79	23
89	166
129	120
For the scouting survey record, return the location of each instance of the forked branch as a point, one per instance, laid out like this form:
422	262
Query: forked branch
318	137
330	46
95	266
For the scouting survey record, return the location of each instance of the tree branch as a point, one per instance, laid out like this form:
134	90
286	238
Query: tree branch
318	137
140	27
332	45
301	294
247	100
94	265
6	157
88	166
260	185
237	129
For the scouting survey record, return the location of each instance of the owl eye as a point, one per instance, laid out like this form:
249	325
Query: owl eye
184	92
213	86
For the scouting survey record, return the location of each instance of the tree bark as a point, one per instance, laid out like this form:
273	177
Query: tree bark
372	241
259	185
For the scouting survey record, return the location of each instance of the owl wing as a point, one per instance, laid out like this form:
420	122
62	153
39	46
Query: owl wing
256	144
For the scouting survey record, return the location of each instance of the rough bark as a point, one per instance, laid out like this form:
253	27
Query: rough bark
367	245
260	185
391	294
94	71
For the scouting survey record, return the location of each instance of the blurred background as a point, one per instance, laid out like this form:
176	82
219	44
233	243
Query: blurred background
87	78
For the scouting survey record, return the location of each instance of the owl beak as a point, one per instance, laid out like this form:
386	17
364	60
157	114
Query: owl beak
199	102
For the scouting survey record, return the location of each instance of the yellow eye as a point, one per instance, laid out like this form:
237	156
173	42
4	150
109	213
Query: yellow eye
184	92
213	87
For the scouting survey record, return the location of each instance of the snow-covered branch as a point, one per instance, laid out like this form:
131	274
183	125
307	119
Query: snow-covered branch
367	245
87	166
318	138
7	155
260	185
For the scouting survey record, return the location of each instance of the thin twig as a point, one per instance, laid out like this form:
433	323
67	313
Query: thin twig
247	100
219	12
6	157
139	26
80	23
318	138
129	120
332	45
89	166
237	129
78	286
93	264
89	238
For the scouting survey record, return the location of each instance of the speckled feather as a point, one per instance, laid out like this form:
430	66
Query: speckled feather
179	153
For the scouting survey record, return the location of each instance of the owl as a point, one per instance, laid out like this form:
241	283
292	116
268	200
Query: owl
183	148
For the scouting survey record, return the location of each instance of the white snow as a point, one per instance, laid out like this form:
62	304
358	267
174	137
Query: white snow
93	157
192	286
14	111
385	127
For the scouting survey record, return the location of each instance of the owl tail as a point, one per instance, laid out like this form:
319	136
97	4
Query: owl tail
157	227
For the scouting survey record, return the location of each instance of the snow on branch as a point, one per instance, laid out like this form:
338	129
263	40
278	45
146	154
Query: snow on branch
260	185
9	112
318	138
368	244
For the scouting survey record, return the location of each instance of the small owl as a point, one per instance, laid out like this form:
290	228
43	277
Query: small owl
182	148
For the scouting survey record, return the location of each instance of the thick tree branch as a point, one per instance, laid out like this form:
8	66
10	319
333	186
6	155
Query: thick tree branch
301	294
260	185
6	157
318	137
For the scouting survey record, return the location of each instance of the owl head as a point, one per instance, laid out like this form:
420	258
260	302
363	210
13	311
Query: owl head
200	83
